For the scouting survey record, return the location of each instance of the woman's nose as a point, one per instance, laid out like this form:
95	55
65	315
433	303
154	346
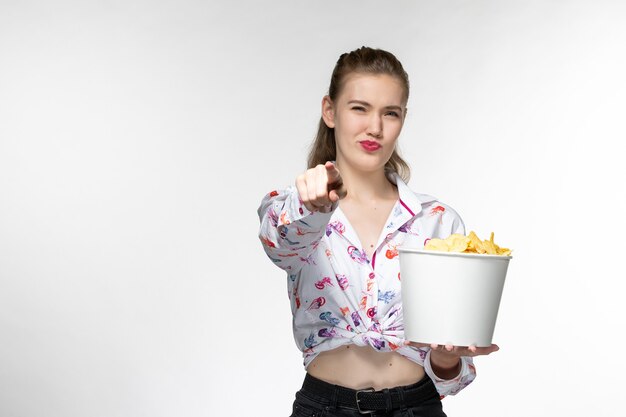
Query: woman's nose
375	126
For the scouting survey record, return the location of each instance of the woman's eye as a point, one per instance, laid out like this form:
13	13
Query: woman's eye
393	113
358	108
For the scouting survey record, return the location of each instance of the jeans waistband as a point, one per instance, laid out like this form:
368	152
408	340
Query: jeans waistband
369	400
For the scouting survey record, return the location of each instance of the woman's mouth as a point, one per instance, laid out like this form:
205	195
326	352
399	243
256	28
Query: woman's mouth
369	145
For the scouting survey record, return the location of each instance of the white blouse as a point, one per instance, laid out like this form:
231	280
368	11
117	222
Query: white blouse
339	296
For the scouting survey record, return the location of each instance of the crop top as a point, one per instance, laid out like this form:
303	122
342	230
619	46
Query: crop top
339	296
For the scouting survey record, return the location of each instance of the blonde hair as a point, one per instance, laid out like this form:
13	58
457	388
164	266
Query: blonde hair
363	60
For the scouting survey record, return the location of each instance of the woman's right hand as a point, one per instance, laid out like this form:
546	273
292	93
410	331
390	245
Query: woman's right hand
320	187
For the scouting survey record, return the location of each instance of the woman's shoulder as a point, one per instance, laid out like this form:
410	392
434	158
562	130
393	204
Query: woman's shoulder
435	214
427	203
437	206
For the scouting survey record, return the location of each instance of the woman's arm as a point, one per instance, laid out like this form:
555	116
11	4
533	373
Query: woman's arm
444	366
289	231
294	220
451	367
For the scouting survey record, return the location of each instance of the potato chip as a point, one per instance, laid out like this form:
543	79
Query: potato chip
457	243
467	244
437	244
476	245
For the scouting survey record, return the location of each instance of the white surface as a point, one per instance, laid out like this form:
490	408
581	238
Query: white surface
138	137
451	298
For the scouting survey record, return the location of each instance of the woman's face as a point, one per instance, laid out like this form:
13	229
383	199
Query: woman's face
367	117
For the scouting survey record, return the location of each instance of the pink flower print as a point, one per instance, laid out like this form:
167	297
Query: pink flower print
371	281
301	232
327	332
283	219
357	255
295	294
283	235
371	313
337	226
377	343
343	281
392	252
309	260
317	303
406	227
267	242
439	210
273	217
363	303
321	283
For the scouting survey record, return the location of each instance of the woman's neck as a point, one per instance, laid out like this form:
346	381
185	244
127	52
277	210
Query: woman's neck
367	187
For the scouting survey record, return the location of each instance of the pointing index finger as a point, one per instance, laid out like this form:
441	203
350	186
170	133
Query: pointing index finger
333	173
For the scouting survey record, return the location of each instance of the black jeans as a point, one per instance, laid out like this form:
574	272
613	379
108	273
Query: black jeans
309	404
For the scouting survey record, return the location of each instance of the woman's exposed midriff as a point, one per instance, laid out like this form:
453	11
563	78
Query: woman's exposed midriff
360	367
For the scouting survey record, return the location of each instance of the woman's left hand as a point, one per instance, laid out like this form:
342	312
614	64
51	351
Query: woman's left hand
457	351
445	360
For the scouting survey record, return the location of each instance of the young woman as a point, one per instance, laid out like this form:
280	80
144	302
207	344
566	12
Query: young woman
336	232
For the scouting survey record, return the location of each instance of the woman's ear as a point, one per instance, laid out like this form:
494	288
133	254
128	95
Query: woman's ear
328	112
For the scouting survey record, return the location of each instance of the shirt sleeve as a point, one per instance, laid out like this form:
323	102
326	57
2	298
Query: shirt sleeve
458	226
454	385
451	222
290	232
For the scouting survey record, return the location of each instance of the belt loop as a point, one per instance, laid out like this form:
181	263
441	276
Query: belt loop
388	401
401	395
333	397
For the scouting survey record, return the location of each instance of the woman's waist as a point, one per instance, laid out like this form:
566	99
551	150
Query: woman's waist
359	367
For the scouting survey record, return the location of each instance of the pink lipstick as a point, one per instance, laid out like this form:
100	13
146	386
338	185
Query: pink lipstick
369	145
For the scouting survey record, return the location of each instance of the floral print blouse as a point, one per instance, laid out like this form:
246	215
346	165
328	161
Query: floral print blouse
339	296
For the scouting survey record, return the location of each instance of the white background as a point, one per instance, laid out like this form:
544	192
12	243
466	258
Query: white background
138	138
